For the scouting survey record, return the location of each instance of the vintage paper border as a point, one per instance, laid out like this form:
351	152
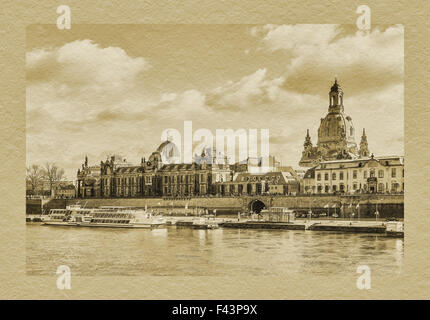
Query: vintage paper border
16	16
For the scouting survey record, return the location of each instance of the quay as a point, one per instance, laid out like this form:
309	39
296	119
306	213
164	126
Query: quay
263	225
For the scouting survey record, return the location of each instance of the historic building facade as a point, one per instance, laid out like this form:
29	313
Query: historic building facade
361	175
285	182
336	135
156	176
160	176
88	180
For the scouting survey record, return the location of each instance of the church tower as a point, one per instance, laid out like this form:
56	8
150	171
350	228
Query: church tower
336	134
364	147
308	143
336	98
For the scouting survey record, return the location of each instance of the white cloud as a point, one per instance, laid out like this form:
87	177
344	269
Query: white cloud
319	52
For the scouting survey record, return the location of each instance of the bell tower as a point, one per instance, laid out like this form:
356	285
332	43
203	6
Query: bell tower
335	98
364	147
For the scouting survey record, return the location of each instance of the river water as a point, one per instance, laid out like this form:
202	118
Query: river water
174	251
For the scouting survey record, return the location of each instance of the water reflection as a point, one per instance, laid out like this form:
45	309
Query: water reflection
221	252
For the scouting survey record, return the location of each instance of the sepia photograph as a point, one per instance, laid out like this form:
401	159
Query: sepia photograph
212	159
214	150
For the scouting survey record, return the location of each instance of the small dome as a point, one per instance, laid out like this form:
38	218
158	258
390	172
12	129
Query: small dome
169	152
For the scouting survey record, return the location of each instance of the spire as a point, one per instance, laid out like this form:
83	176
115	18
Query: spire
335	98
308	142
364	147
86	161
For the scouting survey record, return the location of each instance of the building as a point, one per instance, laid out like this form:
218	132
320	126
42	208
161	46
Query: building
247	183
88	182
65	191
159	175
361	175
162	175
336	135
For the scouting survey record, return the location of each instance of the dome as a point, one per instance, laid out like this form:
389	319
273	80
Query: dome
169	152
337	128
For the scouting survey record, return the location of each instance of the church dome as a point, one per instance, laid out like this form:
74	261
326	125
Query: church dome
169	152
335	127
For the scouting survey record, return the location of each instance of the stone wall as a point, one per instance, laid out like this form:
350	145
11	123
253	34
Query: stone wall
388	205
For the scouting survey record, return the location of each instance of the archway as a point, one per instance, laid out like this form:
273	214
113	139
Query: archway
256	206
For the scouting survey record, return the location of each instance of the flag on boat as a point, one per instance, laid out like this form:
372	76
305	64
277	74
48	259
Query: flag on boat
186	206
358	205
350	205
334	206
326	206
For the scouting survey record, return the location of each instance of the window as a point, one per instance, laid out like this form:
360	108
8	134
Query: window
319	176
380	173
341	175
354	174
372	173
333	176
393	172
326	176
381	187
365	174
334	188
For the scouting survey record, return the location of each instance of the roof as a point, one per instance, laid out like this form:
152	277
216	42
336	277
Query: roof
310	174
183	167
278	177
133	169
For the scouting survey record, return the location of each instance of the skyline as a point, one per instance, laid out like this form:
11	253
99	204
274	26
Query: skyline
102	89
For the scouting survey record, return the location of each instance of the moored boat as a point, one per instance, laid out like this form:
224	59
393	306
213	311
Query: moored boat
204	223
114	217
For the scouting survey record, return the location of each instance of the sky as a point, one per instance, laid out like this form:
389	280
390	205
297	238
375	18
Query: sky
99	90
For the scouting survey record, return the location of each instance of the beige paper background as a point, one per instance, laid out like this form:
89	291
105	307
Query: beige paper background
413	283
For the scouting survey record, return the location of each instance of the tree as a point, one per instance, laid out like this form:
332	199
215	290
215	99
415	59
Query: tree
53	174
34	176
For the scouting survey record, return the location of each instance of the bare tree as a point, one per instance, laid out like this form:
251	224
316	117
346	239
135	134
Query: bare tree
34	176
53	174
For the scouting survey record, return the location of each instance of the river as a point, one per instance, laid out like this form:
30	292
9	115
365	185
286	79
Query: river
174	251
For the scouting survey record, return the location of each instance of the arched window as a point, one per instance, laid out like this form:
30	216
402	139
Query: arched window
333	176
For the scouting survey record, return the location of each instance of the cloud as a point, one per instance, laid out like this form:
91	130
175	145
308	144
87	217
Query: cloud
252	89
83	63
85	99
80	78
318	53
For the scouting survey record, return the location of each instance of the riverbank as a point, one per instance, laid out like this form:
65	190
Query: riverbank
388	205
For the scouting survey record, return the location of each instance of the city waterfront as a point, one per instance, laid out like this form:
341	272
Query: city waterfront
174	251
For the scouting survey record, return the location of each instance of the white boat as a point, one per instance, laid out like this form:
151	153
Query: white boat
114	217
204	223
65	217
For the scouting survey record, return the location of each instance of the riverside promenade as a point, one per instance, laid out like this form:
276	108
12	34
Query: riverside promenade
388	205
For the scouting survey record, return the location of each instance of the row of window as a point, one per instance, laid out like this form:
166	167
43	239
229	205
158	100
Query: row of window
182	179
109	221
380	187
372	174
